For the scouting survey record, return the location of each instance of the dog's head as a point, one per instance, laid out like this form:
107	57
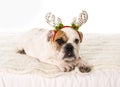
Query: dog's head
67	40
66	43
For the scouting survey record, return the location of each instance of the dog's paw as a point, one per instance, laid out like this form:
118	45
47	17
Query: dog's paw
67	67
84	69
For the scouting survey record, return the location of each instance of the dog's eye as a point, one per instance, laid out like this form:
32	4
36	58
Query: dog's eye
60	41
76	41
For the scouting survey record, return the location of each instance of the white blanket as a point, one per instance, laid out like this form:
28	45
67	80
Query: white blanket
99	50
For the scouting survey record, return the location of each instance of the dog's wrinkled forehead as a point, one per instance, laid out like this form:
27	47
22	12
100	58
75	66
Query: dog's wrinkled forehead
61	34
71	33
67	34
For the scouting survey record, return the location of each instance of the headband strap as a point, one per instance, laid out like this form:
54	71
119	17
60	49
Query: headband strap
55	32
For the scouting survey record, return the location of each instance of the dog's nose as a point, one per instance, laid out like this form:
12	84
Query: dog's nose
69	50
69	47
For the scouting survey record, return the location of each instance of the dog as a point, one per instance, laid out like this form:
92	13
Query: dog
60	49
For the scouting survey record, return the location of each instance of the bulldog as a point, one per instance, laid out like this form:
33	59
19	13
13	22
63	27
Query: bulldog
59	48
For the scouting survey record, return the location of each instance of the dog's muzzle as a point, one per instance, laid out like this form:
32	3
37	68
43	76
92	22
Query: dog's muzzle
69	51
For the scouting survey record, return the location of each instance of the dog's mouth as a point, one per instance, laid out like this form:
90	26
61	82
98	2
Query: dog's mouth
69	59
69	56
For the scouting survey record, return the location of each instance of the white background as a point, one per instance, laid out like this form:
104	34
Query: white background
23	15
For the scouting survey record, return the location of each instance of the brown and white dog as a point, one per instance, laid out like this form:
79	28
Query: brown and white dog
63	51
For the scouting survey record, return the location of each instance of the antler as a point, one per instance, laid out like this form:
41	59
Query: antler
50	19
82	18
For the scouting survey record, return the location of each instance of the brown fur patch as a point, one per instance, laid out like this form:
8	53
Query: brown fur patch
50	35
81	36
60	34
21	51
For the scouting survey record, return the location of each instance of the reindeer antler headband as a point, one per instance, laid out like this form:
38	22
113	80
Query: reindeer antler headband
57	23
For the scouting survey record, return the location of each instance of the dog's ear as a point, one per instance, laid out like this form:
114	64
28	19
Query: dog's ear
81	36
50	35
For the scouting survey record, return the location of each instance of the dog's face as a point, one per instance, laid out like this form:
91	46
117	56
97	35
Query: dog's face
66	44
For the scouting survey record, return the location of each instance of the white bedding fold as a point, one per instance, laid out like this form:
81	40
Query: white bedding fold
100	78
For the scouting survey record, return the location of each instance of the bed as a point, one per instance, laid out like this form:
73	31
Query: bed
102	51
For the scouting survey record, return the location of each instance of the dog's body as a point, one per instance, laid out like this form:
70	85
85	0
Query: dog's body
35	44
61	50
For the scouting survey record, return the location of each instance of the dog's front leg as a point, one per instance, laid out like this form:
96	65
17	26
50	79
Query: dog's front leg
83	67
61	64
